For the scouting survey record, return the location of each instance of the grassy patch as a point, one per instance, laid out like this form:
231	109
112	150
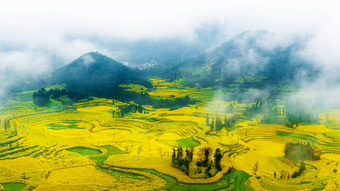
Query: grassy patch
26	96
134	88
123	174
111	150
188	142
253	79
15	186
296	136
234	181
64	125
170	180
85	151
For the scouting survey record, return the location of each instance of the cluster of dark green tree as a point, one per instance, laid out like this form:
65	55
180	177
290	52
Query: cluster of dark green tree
294	118
182	160
42	97
122	110
291	115
300	151
217	124
252	109
172	102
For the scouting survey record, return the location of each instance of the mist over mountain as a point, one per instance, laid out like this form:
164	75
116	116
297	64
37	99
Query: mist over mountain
94	74
245	60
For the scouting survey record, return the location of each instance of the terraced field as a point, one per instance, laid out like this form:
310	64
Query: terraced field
82	147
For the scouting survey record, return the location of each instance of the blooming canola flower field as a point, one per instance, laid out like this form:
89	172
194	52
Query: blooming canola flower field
85	147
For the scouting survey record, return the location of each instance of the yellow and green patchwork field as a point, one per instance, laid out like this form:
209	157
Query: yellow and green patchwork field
86	147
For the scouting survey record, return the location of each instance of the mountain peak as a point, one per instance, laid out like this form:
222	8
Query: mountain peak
93	53
92	57
97	75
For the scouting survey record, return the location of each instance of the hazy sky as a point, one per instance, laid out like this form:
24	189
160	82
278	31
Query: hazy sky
27	25
35	34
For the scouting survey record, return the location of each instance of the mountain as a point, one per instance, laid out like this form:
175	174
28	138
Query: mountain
243	61
247	54
94	74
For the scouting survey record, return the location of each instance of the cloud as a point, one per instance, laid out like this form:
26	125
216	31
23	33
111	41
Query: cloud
35	34
132	19
87	59
248	60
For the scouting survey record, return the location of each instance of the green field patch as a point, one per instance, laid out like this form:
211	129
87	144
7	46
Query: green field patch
15	186
64	125
120	173
170	181
57	86
148	119
111	150
85	151
134	88
287	88
253	79
16	105
54	104
188	142
200	71
175	88
296	136
233	181
239	80
319	189
25	96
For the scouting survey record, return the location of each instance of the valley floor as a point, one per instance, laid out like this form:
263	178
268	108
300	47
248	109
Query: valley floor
84	147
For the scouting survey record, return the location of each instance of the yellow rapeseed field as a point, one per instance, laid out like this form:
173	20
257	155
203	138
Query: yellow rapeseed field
85	148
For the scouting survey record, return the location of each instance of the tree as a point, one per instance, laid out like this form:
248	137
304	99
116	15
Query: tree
24	176
113	113
212	124
218	123
191	154
207	120
198	164
256	167
186	164
207	171
217	158
7	125
200	155
187	154
15	129
207	152
299	172
140	148
92	128
179	156
41	97
173	155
